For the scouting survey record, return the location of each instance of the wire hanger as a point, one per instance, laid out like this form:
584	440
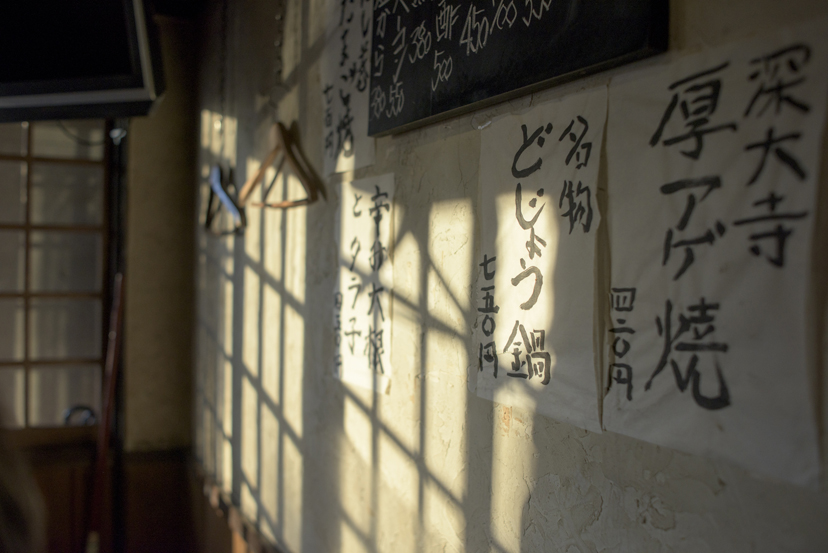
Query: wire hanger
289	148
219	188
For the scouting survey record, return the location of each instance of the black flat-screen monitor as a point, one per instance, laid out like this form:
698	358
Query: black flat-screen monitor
62	59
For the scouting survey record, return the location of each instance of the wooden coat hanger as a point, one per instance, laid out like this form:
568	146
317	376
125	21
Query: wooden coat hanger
289	148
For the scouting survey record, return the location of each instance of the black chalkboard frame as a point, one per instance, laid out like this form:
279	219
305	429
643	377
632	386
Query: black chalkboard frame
644	34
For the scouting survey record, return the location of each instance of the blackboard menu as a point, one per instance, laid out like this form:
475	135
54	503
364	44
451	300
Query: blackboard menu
433	59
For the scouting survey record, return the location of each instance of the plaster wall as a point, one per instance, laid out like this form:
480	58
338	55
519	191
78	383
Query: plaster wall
159	294
320	466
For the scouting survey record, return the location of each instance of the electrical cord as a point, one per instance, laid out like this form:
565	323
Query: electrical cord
80	140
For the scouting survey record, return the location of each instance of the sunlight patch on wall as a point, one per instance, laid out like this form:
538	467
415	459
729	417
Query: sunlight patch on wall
296	237
354	479
399	412
274	221
408	267
448	521
270	464
358	429
398	524
293	478
226	331
204	238
253	231
249	435
293	370
443	381
351	541
208	449
267	530
510	462
316	23
445	414
399	471
249	506
226	387
219	135
226	476
205	128
449	249
251	317
272	345
200	412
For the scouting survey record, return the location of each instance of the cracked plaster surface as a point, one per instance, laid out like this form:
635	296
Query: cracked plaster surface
431	467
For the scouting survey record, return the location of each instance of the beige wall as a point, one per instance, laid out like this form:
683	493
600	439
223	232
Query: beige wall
430	467
159	255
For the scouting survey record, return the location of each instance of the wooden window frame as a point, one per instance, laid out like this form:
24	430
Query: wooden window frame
27	435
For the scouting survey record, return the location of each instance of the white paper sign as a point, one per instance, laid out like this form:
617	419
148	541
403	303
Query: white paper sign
713	171
345	68
362	301
535	288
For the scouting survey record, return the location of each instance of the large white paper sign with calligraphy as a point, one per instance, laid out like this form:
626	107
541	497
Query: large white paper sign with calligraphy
535	288
713	172
345	70
362	300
